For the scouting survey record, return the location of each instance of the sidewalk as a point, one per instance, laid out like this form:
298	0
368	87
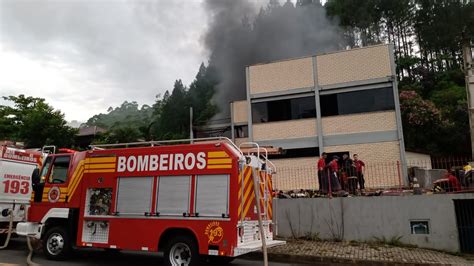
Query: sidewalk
367	254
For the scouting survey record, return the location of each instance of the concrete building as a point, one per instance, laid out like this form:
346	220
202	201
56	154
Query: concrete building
341	102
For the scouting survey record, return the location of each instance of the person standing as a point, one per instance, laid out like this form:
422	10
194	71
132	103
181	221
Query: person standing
359	168
321	166
333	167
466	179
349	179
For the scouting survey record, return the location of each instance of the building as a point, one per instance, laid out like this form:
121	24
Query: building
340	102
86	136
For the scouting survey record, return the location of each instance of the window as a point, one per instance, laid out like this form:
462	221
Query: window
45	170
134	195
173	195
58	173
357	102
296	153
281	110
212	194
419	227
241	131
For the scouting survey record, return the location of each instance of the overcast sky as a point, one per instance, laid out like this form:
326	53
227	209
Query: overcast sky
84	56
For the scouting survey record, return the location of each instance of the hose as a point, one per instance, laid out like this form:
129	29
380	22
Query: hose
10	229
30	248
30	253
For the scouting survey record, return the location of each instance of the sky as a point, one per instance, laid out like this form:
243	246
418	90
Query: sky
84	56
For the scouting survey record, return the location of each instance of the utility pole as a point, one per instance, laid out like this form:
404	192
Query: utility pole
467	56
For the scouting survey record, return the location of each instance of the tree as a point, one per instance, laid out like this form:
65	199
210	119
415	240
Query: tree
201	92
421	122
121	134
34	122
174	116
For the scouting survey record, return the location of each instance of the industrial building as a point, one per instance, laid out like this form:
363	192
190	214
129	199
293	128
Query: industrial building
341	102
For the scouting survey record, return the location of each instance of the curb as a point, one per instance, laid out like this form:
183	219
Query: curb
319	260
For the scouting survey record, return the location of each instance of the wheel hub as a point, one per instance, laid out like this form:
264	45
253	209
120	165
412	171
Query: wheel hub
180	254
55	244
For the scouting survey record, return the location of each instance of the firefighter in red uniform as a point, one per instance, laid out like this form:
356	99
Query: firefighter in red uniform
333	179
321	166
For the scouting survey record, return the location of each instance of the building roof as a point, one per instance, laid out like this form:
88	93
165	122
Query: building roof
90	131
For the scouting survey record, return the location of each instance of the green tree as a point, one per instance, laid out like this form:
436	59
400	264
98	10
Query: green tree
34	122
173	122
201	92
422	121
121	134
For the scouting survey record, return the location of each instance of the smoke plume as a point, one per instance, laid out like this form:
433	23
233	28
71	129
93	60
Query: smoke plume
240	34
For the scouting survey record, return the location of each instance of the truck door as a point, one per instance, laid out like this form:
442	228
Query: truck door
55	178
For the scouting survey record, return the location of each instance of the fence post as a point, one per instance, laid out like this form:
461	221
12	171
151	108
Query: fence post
329	184
399	177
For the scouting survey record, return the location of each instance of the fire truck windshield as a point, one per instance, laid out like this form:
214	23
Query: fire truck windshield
58	173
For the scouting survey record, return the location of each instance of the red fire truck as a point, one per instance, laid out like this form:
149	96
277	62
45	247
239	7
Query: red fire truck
186	200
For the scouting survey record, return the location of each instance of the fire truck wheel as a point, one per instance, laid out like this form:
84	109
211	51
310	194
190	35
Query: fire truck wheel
56	244
181	250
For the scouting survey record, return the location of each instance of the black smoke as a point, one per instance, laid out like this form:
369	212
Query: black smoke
240	34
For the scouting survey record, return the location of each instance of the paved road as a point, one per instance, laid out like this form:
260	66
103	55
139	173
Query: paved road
17	252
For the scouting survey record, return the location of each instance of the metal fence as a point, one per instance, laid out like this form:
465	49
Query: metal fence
436	174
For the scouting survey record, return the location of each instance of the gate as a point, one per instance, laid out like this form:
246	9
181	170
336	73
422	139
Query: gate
465	221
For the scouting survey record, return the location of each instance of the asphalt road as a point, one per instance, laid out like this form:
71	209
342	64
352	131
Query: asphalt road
17	252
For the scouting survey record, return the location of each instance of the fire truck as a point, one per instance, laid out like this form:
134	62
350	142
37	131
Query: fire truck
185	200
16	167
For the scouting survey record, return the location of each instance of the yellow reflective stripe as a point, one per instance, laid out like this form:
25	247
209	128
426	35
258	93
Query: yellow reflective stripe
219	161
217	154
219	166
77	179
78	170
76	184
101	166
100	171
252	197
245	189
101	160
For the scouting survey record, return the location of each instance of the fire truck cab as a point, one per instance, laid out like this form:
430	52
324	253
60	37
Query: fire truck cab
186	200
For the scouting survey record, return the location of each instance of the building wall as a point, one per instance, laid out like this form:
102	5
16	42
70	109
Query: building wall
281	76
374	136
295	173
381	160
240	112
358	123
239	141
354	65
415	159
381	171
285	129
368	217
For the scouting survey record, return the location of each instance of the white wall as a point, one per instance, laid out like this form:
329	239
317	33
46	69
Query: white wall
364	218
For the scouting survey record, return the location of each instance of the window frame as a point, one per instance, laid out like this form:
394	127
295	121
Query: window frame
287	110
333	107
51	171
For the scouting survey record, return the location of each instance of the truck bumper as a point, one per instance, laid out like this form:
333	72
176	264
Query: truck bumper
29	229
254	246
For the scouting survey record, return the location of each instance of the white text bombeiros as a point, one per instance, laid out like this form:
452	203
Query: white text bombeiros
161	162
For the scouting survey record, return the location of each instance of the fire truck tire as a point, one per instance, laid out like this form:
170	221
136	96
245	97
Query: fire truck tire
56	243
181	250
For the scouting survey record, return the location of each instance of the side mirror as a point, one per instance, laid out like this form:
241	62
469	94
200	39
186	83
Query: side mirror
35	177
